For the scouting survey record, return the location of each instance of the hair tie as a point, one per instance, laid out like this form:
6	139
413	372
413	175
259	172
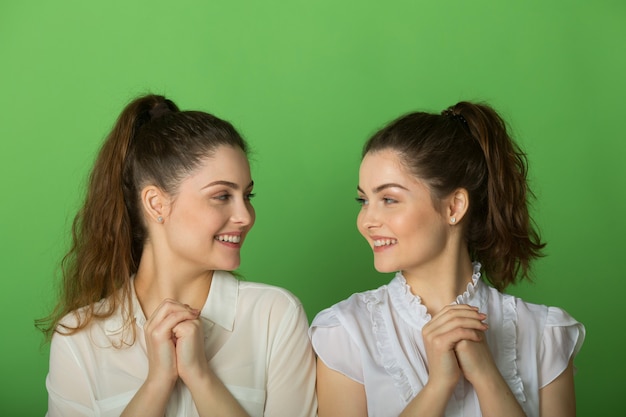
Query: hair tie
456	116
146	116
159	110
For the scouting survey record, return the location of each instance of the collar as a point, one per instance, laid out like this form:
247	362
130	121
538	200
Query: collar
414	312
219	308
221	304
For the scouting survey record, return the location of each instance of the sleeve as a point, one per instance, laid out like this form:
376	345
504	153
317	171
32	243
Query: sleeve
291	373
69	389
561	341
333	345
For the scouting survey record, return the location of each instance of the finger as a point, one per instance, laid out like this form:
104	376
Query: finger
173	319
454	309
449	340
187	328
453	319
452	313
167	307
163	330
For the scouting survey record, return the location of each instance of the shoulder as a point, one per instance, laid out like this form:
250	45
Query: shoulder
355	312
259	292
81	315
258	300
354	307
538	319
274	310
104	321
543	315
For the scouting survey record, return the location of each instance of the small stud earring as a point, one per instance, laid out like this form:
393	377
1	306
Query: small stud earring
160	219
453	220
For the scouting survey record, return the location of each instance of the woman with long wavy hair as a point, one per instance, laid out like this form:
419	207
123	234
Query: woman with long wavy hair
150	322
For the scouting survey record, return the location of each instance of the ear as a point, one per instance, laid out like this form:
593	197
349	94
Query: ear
457	206
155	203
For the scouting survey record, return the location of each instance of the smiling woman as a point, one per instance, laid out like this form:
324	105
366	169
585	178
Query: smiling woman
444	202
150	322
205	223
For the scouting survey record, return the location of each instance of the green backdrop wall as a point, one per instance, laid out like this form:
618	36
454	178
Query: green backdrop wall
306	82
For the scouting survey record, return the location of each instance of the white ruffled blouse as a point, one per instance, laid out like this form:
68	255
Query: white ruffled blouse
375	338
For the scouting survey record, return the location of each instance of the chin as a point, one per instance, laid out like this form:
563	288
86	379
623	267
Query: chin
226	266
385	268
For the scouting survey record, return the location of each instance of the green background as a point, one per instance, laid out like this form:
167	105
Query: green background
307	82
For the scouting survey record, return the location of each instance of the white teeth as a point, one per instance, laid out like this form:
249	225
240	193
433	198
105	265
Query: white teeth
229	238
385	242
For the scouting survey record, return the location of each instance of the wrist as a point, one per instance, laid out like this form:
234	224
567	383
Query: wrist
159	386
440	388
197	377
488	380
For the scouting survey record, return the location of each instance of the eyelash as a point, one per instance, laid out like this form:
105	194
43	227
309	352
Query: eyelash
363	202
226	197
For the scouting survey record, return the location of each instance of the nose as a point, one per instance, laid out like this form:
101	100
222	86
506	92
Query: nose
243	214
368	218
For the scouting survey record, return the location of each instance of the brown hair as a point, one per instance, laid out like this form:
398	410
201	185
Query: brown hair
468	146
152	142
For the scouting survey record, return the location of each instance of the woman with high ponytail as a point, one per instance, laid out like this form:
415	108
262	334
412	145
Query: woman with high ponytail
444	204
149	321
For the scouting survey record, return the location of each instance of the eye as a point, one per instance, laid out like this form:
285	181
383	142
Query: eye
387	200
361	201
223	197
250	196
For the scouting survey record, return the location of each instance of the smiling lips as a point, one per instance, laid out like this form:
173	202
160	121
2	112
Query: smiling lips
233	239
384	242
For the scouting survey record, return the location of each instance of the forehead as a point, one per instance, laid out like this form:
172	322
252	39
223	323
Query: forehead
385	166
227	163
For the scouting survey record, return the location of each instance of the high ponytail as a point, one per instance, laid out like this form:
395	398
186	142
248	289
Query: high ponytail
468	146
152	142
504	237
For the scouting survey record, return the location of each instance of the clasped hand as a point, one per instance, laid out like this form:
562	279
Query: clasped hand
456	346
175	343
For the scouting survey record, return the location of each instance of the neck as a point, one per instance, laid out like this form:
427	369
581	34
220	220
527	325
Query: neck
438	283
158	279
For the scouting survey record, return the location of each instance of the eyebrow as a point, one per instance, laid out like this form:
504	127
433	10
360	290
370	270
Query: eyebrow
383	187
228	184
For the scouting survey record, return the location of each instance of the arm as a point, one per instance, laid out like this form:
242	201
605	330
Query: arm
69	389
291	367
557	399
479	368
152	397
494	395
450	327
209	394
561	341
338	395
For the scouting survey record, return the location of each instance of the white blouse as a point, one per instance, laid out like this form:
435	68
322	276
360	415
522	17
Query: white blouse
255	339
375	338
